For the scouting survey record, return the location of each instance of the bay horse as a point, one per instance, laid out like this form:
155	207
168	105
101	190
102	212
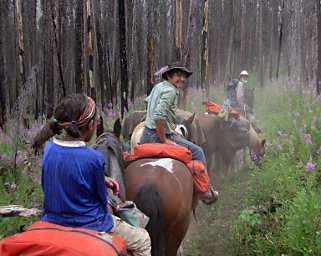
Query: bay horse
162	188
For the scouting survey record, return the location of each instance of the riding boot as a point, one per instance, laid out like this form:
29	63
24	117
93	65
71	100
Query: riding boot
210	196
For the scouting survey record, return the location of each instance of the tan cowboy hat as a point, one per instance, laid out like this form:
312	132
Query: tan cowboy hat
174	66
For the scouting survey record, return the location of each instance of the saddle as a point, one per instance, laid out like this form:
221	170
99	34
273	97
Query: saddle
43	238
160	150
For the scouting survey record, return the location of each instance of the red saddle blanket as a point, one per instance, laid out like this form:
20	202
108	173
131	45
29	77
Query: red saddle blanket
43	238
160	150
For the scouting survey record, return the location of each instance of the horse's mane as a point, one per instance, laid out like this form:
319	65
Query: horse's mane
112	143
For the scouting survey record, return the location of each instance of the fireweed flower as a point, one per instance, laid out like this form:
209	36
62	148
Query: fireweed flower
253	156
112	114
310	166
110	105
308	139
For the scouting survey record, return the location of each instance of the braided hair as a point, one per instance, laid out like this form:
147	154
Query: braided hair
68	116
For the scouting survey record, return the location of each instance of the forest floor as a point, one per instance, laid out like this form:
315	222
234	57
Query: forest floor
211	234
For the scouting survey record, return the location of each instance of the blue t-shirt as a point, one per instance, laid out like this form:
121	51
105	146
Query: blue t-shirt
74	188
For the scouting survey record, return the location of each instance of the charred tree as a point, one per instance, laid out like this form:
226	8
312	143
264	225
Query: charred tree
79	45
150	46
123	59
204	62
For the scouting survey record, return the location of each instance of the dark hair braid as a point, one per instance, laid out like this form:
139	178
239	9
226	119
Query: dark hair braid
68	111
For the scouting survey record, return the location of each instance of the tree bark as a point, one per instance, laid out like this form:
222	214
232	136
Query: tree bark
204	62
150	46
280	40
123	58
79	44
178	30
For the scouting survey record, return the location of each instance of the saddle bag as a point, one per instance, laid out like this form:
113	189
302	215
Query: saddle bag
200	175
128	212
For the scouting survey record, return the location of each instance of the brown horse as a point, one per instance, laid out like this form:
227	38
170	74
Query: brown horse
162	188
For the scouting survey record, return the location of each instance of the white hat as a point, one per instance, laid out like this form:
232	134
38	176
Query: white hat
244	73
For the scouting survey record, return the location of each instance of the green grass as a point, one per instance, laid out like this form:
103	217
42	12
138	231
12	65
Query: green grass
283	211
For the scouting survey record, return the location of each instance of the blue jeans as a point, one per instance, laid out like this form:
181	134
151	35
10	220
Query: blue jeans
151	136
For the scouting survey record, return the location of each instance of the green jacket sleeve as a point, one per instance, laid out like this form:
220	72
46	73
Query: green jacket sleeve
167	99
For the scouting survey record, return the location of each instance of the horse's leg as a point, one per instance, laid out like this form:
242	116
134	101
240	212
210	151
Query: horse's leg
176	234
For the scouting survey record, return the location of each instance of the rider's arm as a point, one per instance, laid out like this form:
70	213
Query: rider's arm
160	129
167	99
99	180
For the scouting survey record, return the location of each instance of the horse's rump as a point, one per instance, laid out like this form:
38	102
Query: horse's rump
43	238
171	180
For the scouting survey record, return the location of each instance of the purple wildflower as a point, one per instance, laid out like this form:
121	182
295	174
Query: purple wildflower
253	156
110	105
310	166
308	139
112	114
320	150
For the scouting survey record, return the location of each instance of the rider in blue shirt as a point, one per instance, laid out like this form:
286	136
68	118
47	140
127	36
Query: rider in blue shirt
73	179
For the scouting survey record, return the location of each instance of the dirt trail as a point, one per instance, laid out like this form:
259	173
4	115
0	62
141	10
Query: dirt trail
211	235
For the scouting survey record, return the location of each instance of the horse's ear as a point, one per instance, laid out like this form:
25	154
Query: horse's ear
190	119
117	128
100	126
263	142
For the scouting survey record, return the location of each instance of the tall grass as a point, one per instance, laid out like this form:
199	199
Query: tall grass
283	213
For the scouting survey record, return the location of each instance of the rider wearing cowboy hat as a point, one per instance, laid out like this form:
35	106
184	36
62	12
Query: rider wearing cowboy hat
160	121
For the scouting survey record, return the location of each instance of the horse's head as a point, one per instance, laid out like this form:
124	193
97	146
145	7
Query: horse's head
108	143
256	146
189	126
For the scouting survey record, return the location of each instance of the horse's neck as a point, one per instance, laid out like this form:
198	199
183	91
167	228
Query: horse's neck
254	140
116	172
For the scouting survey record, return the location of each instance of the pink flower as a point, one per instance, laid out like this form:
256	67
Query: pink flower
308	139
253	156
310	166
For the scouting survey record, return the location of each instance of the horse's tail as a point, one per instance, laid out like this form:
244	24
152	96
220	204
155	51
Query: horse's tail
148	201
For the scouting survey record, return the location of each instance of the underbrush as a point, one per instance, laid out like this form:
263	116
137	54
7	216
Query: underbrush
283	213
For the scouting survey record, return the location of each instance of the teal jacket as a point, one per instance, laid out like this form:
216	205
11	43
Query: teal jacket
161	105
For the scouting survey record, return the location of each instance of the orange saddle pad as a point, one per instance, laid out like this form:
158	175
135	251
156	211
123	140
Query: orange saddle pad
160	150
212	107
43	238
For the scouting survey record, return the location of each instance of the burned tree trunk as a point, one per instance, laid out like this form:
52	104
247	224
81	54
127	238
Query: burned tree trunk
2	69
280	40
150	46
79	44
123	58
178	30
204	62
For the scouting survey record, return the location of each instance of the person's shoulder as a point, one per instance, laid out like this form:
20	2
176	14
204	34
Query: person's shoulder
94	153
168	88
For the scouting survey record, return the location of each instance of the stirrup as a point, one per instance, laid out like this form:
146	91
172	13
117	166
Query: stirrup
210	196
